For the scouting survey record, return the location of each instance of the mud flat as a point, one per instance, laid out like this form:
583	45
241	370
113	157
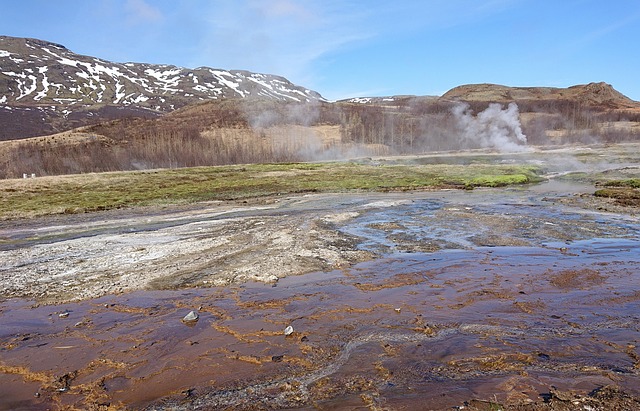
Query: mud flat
524	298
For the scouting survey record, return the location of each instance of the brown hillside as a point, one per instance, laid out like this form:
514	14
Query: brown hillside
601	95
232	131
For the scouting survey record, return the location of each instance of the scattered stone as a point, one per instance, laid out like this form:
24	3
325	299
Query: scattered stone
566	396
277	358
63	315
191	317
288	331
64	382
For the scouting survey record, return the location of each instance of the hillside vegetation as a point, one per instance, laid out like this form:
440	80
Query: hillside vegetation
64	113
241	131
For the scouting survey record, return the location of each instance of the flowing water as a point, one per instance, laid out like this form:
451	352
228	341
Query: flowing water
497	295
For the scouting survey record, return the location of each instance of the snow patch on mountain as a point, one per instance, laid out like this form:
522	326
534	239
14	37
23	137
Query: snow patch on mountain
43	72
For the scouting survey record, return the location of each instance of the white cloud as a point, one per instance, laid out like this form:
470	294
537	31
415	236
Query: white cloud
285	8
298	38
611	28
139	11
279	36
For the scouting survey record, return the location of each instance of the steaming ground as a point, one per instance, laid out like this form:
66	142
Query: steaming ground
495	127
75	257
207	246
518	296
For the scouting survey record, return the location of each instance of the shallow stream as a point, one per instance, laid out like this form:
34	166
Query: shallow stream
496	295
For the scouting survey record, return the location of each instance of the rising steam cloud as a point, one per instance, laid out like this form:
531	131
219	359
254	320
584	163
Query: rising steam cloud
495	127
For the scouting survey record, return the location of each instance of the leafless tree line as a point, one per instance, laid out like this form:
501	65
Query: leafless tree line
233	132
428	126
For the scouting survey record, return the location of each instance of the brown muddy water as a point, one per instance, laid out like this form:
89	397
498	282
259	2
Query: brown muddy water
504	296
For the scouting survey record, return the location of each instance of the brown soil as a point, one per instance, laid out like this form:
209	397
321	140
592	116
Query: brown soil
491	299
576	279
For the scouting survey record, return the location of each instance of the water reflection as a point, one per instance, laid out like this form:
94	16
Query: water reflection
441	327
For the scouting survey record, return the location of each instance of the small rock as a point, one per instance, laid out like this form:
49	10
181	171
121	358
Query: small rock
277	358
288	331
63	315
191	317
397	310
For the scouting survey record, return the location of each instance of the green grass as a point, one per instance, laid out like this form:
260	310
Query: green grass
629	183
104	191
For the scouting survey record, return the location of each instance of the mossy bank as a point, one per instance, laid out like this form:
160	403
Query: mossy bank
25	198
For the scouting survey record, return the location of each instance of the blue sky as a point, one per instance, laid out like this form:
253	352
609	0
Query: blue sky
355	48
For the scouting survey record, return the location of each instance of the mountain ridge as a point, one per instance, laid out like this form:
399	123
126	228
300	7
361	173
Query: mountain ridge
599	93
160	87
46	84
46	89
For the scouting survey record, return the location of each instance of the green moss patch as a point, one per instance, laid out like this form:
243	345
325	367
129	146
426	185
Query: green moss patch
104	191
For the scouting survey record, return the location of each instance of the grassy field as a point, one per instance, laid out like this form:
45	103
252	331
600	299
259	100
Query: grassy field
24	198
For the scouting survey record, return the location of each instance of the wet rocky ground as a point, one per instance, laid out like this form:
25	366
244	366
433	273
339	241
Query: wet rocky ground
524	298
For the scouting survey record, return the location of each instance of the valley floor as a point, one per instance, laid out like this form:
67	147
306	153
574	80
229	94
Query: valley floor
522	297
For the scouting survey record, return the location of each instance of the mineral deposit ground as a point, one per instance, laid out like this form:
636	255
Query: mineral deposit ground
522	298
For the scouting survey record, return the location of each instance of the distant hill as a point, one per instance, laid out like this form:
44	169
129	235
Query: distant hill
65	113
600	95
45	88
403	100
596	95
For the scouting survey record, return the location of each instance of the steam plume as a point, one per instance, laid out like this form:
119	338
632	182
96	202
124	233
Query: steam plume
495	127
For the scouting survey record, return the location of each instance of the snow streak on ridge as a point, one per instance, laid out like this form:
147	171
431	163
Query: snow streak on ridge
42	73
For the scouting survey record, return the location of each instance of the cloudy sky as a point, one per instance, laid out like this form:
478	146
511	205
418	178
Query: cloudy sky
348	48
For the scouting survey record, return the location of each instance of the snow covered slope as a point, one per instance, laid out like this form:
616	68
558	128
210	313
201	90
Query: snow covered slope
56	83
47	73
